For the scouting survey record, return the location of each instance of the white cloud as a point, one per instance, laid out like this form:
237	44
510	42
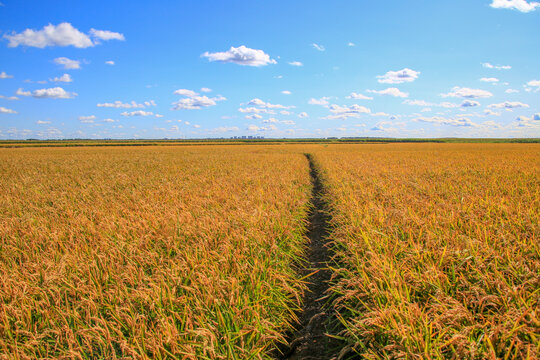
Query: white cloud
534	83
351	44
64	78
255	110
262	128
439	120
196	102
253	117
206	90
286	92
68	63
138	113
225	129
185	92
285	112
41	122
359	96
50	93
467	93
109	62
265	105
496	67
303	115
491	113
418	102
321	101
520	5
296	63
276	121
9	97
106	35
398	77
529	122
390	91
489	80
63	34
120	105
344	112
3	75
109	120
242	56
4	110
508	105
318	47
511	91
87	119
470	103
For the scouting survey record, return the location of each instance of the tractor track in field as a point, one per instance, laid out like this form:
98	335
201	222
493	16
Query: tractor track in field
311	340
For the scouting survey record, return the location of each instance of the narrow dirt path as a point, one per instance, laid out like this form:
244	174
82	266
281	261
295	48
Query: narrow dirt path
311	340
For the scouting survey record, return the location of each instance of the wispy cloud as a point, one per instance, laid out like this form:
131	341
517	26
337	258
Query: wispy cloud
520	5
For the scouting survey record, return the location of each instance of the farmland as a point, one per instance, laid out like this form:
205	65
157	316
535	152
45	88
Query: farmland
437	249
197	252
148	253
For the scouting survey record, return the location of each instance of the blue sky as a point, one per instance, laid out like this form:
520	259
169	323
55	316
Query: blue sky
192	69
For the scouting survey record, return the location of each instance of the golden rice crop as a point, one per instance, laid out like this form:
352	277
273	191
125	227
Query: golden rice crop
438	248
129	252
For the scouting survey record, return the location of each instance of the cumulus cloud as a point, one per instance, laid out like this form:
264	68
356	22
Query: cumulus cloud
253	117
63	34
520	5
185	92
359	96
398	77
489	80
109	62
496	67
50	93
303	115
322	101
138	113
41	122
470	103
68	64
318	47
64	78
242	56
439	120
4	110
390	91
276	121
467	93
286	92
223	129
9	97
109	120
106	35
87	119
296	63
344	112
254	110
193	101
267	105
534	83
508	105
491	113
3	75
206	90
529	122
131	105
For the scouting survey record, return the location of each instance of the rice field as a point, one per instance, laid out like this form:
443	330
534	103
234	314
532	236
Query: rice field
109	253
438	249
193	252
